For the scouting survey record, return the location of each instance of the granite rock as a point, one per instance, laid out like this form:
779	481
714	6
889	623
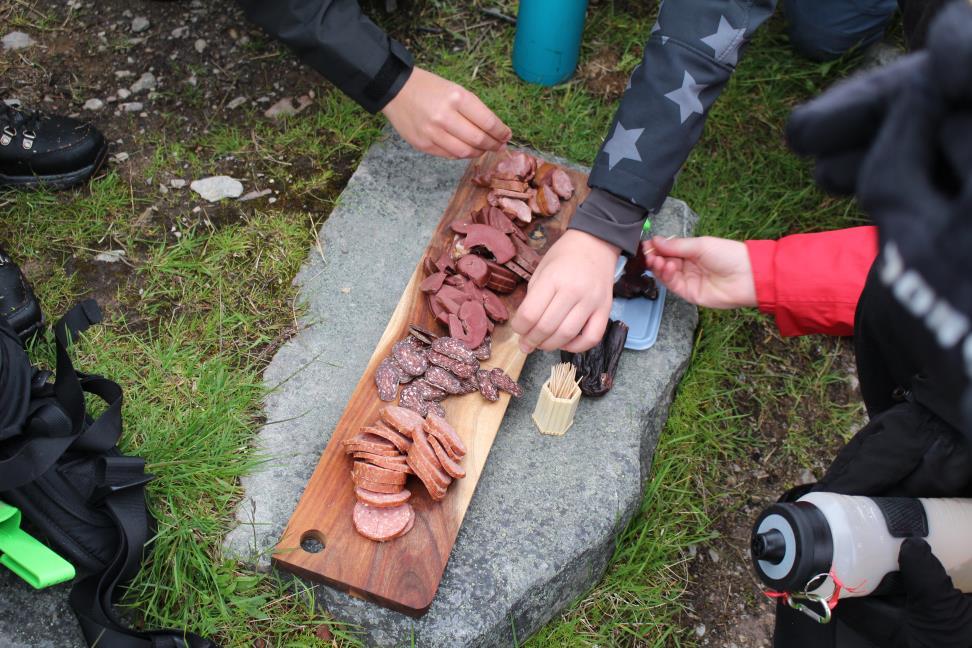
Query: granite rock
547	510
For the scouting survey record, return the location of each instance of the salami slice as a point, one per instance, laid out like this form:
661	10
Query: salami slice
370	443
455	349
397	464
443	379
499	378
403	377
423	471
435	407
449	465
382	500
460	369
377	487
382	524
411	359
403	420
484	350
401	442
486	386
387	377
422	334
469	385
370	472
411	398
442	430
428	391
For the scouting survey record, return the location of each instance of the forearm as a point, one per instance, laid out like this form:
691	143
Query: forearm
689	57
811	283
337	40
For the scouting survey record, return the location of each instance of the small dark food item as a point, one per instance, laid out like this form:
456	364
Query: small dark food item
598	366
484	350
427	390
422	334
444	380
460	369
456	349
634	282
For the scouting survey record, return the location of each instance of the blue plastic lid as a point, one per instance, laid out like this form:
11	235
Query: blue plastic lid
643	316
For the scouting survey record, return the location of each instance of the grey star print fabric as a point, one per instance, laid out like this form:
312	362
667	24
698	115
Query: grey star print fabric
690	54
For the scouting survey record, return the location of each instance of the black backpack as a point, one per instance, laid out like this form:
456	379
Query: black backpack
62	468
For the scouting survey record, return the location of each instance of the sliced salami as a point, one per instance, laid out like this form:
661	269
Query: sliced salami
427	390
403	377
469	385
486	386
387	378
372	473
370	443
403	420
390	463
411	398
484	350
423	471
455	349
442	430
377	487
382	500
411	359
401	442
449	465
462	370
443	379
382	524
422	334
435	407
499	378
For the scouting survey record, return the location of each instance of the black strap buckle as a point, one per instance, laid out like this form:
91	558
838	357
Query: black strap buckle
117	474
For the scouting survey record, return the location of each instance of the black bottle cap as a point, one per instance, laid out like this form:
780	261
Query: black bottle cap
791	544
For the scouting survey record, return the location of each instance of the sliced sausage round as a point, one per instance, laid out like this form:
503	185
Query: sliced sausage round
382	500
382	524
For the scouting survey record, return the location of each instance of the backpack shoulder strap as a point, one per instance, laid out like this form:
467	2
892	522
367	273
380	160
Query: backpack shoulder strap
121	491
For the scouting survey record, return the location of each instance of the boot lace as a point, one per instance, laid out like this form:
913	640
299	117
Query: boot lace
13	118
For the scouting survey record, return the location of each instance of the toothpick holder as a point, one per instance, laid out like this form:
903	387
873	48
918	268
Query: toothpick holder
553	415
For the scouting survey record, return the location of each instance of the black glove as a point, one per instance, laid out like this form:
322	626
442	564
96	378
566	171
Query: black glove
930	612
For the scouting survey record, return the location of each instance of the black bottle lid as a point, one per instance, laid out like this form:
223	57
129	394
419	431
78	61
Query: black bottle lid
790	545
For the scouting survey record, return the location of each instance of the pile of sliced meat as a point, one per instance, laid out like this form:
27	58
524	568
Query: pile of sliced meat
433	368
490	253
399	444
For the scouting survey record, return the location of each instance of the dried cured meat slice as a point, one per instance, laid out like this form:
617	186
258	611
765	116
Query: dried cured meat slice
403	420
387	378
422	334
499	378
436	408
370	443
456	349
449	465
428	391
484	350
443	379
369	472
486	386
433	282
441	429
411	359
382	500
382	524
412	399
461	370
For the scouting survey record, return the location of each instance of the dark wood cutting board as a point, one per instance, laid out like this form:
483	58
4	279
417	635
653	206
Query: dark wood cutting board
404	574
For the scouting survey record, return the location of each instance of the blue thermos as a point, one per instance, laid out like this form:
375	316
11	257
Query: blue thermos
548	39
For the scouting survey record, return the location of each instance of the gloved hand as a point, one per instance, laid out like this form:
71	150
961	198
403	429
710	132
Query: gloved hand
932	612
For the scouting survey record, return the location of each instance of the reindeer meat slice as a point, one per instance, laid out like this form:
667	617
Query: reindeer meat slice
498	243
475	268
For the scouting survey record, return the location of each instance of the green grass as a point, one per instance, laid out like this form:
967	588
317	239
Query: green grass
209	298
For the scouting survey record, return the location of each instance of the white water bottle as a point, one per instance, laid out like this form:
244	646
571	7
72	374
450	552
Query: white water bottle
826	541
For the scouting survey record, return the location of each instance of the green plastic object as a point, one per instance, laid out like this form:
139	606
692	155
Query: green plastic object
26	556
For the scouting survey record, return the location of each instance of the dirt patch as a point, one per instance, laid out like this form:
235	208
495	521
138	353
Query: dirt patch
727	608
601	75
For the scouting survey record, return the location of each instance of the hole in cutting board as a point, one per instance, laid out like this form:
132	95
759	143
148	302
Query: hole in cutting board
312	541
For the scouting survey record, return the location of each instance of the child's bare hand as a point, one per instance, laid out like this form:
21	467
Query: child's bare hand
569	296
704	270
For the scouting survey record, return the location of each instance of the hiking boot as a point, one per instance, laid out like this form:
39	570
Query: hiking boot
47	150
17	301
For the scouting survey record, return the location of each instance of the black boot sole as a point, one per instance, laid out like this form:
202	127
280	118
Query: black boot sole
58	180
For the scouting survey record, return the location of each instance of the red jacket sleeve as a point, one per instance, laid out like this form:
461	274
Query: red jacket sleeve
811	282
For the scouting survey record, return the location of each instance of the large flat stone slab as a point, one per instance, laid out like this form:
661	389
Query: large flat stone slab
543	522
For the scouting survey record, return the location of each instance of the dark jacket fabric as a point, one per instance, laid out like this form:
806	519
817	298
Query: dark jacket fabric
340	42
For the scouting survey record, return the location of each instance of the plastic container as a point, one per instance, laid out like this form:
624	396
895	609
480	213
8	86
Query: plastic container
548	39
643	316
796	545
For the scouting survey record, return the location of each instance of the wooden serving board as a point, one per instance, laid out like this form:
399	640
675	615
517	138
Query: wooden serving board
404	574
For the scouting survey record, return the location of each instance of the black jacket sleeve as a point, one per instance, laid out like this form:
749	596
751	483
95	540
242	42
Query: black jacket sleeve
337	40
